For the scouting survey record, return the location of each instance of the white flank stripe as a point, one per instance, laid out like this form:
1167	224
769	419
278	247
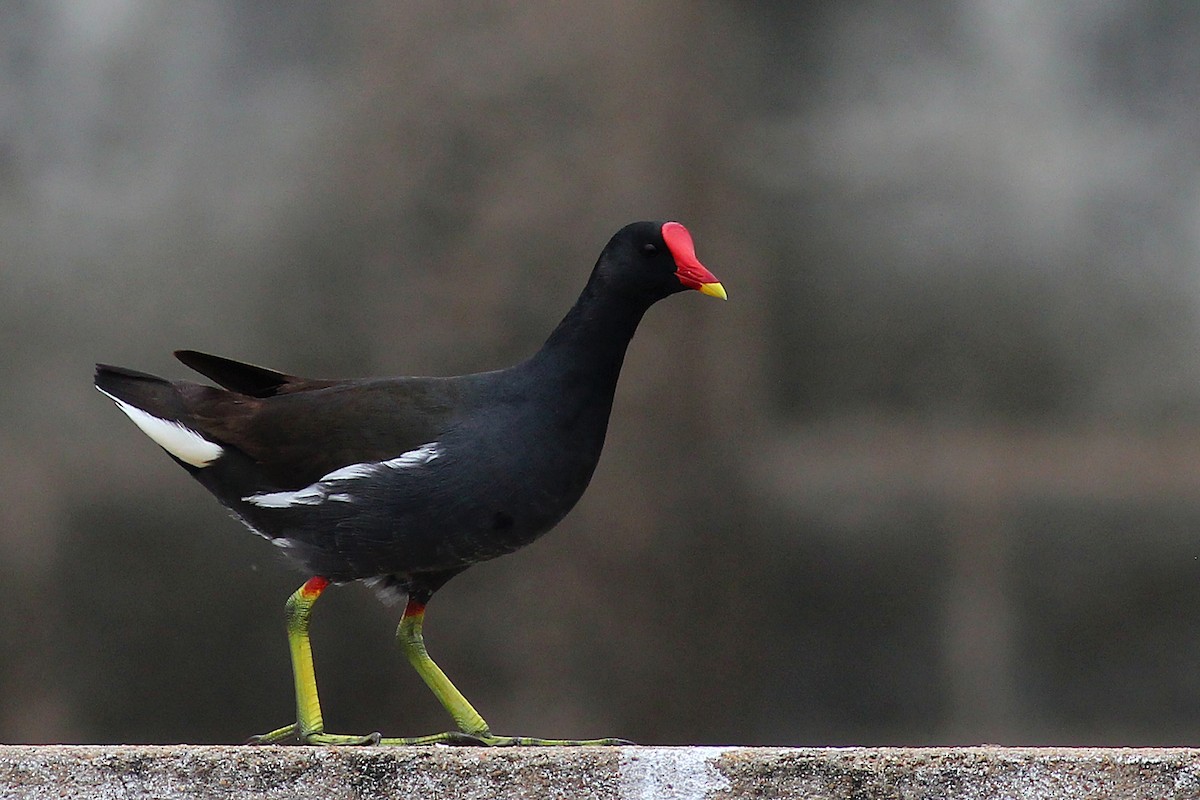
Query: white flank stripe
309	496
174	437
415	458
324	489
351	472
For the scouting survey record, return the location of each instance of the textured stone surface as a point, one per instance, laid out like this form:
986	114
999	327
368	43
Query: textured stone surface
662	773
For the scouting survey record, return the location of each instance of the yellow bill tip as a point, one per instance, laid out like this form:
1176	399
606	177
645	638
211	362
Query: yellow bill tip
713	290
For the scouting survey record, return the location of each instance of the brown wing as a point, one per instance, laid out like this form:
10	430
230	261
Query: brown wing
298	435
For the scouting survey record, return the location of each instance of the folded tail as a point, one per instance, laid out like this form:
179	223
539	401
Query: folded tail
156	406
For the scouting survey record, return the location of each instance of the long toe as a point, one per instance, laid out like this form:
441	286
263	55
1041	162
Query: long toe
528	741
447	737
327	739
274	737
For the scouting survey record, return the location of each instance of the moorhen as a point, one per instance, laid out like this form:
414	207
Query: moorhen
405	482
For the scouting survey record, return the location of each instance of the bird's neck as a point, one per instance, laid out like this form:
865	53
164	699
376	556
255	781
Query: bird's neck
588	346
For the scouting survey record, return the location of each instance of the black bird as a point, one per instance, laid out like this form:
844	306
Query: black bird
405	482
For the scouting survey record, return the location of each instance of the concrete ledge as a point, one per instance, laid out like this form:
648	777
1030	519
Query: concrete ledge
661	773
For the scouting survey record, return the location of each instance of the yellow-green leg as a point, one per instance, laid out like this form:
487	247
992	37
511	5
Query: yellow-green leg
472	728
309	726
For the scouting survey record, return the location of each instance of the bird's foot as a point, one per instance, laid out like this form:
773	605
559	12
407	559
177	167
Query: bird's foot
292	733
488	739
526	741
485	739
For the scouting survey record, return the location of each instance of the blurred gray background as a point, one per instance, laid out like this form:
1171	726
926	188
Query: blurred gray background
932	475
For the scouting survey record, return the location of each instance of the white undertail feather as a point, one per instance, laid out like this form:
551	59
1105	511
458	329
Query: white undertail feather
324	489
386	589
174	437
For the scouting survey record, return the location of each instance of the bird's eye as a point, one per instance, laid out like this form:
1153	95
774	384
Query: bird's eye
649	248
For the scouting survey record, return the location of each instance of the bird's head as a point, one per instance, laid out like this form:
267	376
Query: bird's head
652	260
